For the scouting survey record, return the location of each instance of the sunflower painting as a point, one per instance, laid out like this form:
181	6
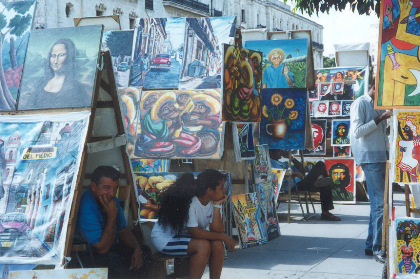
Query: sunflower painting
283	118
242	84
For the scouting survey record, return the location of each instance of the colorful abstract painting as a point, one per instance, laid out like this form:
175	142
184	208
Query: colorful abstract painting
69	57
158	52
354	81
130	101
249	220
120	45
39	154
407	146
334	108
150	165
180	124
268	205
91	273
16	24
283	118
342	172
407	248
243	141
340	132
341	151
150	187
242	77
398	66
284	62
203	54
319	129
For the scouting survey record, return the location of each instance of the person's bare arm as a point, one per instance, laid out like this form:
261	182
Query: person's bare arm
108	235
127	238
217	223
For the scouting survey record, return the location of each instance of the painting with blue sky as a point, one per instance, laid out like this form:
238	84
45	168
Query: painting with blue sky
284	62
283	118
15	25
157	52
38	154
60	68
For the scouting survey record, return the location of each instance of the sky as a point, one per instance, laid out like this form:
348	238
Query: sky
344	27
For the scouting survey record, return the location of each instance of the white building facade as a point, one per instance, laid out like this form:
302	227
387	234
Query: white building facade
273	15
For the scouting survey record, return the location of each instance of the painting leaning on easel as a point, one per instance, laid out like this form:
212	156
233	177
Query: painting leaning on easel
399	67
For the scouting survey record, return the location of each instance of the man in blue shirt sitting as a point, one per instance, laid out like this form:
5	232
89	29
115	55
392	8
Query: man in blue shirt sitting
101	221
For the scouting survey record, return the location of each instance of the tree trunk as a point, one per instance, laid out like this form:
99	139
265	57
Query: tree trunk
6	100
12	53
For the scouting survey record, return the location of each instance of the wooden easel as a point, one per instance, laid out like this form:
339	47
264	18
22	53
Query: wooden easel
105	145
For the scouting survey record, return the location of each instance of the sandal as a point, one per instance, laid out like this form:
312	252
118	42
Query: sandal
329	217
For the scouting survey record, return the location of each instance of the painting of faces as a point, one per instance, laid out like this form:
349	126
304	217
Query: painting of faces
334	108
69	57
407	146
180	124
120	45
284	62
320	108
325	88
345	108
283	118
407	256
347	83
16	25
319	139
180	53
314	94
39	154
342	151
340	132
241	84
342	172
398	66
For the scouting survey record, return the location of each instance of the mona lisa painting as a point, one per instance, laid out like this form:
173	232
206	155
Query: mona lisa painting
60	68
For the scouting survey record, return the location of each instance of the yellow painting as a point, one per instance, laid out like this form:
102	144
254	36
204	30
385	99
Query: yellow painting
407	246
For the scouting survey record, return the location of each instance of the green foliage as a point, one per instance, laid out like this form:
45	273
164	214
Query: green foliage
120	42
299	73
289	56
20	7
328	62
362	6
19	24
3	21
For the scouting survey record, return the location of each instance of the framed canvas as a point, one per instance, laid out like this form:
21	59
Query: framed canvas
120	45
319	130
283	119
17	18
407	247
242	75
342	172
284	62
180	124
70	57
340	132
398	67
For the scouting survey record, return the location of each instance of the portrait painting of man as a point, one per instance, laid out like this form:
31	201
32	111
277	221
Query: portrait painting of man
69	57
318	135
342	173
340	132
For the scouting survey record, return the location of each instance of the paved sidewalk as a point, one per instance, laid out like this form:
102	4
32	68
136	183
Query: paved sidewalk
312	249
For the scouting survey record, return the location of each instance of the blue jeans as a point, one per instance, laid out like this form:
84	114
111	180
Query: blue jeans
375	182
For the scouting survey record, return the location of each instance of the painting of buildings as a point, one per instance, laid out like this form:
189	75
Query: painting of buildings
17	18
41	162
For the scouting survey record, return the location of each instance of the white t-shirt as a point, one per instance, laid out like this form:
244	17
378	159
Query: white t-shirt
199	216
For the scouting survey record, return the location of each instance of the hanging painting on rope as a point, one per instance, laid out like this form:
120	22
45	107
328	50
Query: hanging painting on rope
180	124
283	118
398	65
342	172
242	84
407	146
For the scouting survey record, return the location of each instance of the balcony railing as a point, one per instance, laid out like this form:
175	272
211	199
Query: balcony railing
149	5
190	4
